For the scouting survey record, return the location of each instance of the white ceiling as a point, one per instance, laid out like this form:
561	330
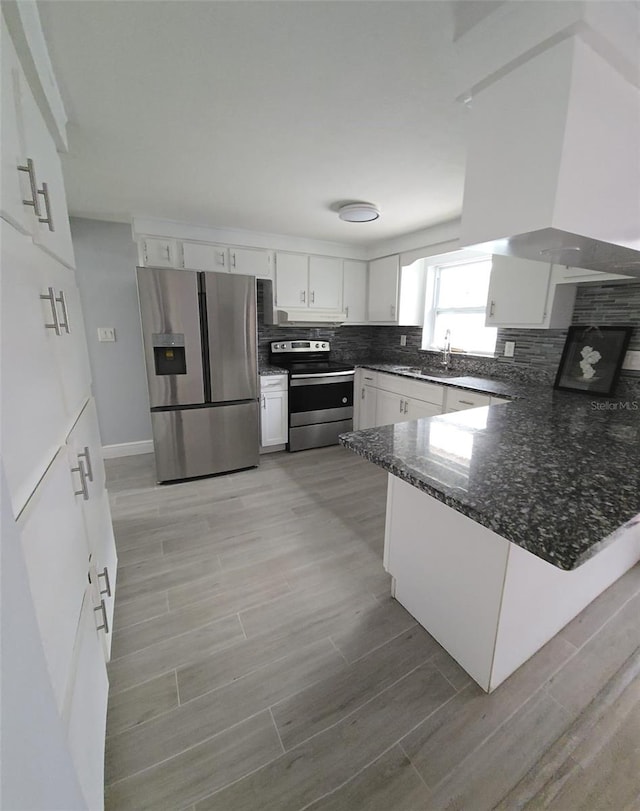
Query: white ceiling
260	115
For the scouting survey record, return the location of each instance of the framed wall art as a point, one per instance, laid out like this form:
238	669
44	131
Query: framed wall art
592	358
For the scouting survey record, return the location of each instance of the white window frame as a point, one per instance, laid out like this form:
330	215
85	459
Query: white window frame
431	310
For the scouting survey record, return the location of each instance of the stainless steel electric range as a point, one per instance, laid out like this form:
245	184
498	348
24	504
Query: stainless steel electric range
320	393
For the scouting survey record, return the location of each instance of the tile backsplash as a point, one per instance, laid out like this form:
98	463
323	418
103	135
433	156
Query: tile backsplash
537	353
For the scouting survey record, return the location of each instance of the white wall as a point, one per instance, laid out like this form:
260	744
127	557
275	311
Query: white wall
106	261
36	768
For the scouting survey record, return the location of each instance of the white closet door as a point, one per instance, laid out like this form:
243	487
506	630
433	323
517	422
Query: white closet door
34	416
57	558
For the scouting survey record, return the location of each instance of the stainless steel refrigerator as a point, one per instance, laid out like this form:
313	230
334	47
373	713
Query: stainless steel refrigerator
199	332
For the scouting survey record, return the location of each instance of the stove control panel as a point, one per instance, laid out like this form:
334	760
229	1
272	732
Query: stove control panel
300	346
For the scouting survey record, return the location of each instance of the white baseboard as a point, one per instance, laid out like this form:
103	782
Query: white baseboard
127	449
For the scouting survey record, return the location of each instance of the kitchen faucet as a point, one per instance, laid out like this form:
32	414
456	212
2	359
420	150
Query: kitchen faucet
446	350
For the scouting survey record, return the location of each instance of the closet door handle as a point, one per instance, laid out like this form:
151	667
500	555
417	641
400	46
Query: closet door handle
102	608
107	589
63	303
47	207
84	490
51	298
30	169
87	457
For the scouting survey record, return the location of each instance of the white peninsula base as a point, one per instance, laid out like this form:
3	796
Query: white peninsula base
488	602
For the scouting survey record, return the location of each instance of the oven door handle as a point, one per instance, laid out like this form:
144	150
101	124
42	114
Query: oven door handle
318	380
321	374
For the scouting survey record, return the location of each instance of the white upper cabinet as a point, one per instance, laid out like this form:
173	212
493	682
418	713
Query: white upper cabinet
325	283
580	275
384	278
159	253
354	291
524	293
199	256
221	258
251	262
396	293
292	280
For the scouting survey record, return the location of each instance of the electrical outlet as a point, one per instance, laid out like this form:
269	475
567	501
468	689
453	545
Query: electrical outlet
632	360
106	334
509	349
403	340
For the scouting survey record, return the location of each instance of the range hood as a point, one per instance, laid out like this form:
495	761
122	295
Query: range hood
308	318
553	164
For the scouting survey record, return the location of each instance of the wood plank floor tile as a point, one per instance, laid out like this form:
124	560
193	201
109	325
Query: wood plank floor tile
370	629
575	685
484	777
201	718
166	576
129	708
600	611
328	701
138	609
177	782
442	742
172	653
389	784
328	760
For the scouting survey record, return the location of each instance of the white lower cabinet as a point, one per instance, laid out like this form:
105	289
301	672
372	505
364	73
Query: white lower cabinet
460	399
86	711
389	408
416	409
274	400
57	557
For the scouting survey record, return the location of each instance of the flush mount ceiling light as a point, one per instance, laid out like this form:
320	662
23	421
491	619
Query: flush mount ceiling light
359	212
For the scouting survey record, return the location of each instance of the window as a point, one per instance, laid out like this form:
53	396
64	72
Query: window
456	301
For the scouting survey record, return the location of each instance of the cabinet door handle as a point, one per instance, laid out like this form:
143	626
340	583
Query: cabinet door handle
233	259
393	311
102	608
30	169
402	406
167	248
303	296
313	296
107	583
406	406
466	402
264	401
362	395
492	309
51	298
84	490
44	191
87	457
62	301
346	311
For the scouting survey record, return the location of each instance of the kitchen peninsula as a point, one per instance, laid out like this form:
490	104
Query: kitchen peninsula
505	521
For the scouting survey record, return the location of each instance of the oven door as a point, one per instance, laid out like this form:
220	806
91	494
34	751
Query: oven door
320	398
320	408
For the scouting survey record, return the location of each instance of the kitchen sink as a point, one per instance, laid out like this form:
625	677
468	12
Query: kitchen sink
425	373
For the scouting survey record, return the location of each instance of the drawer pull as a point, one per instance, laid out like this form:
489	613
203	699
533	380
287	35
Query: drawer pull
466	402
107	590
102	608
30	169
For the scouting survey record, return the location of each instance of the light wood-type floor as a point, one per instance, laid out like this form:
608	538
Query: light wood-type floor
259	663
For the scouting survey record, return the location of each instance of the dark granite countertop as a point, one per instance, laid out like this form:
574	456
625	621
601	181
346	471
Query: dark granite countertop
499	388
266	370
554	472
